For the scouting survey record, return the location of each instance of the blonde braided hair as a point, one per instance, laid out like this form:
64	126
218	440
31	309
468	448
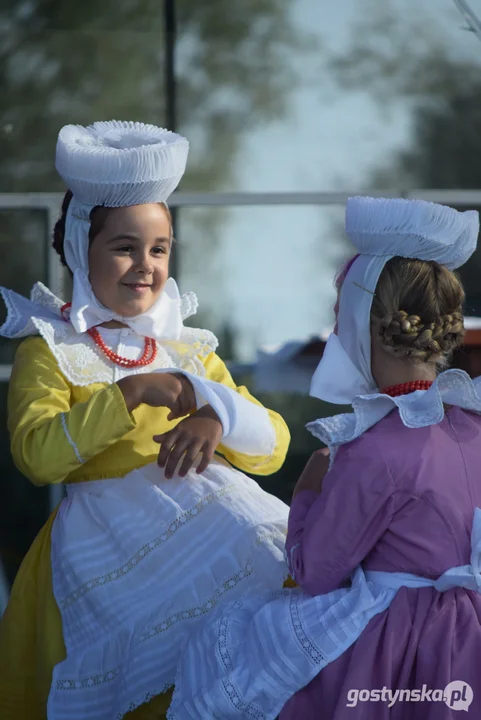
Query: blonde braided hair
406	335
417	311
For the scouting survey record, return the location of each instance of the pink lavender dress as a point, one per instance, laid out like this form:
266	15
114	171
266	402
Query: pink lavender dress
368	636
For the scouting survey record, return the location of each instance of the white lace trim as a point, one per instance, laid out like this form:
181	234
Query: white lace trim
194	614
149	547
418	409
79	359
188	305
290	560
19	322
260	650
144	699
41	295
83	363
69	438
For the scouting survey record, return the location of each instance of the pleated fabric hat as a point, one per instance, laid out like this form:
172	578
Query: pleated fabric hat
120	163
412	229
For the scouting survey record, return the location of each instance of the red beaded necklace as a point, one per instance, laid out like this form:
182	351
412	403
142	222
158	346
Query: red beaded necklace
148	356
406	388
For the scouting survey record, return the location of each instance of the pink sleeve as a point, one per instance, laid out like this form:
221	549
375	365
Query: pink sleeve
331	533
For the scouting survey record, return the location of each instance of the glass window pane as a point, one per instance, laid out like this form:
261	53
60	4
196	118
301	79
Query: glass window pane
297	410
23	507
343	95
67	62
263	275
24	244
470	274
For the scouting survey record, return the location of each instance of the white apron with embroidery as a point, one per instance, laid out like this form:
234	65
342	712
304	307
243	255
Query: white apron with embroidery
139	561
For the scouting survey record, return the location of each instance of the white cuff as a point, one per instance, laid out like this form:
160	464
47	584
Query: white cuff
246	427
199	398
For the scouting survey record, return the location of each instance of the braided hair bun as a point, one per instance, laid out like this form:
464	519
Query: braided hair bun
417	311
407	335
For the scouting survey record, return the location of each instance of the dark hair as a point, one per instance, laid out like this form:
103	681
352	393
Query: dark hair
59	228
98	216
417	310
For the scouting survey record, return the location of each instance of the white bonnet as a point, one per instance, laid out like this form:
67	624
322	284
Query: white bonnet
120	163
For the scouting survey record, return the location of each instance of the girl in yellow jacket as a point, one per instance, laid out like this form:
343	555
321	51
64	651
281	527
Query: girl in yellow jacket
145	543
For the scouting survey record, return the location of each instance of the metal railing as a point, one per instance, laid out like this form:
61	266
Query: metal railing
51	202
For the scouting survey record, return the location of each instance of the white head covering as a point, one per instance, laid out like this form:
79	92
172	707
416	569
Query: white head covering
381	229
117	164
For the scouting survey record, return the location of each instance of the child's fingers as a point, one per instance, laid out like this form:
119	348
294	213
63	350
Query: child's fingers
187	398
207	455
175	456
177	411
167	443
159	438
189	458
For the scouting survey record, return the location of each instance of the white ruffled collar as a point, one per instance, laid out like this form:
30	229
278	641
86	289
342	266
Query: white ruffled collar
418	409
78	357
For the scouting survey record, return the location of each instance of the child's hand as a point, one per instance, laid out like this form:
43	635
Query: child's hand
314	472
198	434
171	390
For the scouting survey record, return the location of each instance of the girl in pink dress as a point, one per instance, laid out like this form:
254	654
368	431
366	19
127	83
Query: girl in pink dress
387	620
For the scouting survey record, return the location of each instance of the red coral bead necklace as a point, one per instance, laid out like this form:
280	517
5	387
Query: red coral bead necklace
406	388
148	356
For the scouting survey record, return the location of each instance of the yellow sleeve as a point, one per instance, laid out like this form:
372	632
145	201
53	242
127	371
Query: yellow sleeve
50	437
255	464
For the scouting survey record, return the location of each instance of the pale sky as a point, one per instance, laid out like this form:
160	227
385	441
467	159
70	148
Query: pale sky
273	277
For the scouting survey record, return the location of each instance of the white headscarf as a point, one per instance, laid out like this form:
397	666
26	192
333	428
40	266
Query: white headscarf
381	229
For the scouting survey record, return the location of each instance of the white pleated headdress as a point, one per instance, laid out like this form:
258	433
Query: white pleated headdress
381	229
117	164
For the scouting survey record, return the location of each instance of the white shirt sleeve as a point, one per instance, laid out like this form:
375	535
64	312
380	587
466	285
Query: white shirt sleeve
246	427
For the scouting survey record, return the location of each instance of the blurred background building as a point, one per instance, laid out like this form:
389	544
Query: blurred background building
290	106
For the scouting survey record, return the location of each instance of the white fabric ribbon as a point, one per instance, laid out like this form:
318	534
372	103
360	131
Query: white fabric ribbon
345	369
463	576
76	243
162	321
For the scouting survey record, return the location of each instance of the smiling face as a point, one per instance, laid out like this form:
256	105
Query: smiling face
129	257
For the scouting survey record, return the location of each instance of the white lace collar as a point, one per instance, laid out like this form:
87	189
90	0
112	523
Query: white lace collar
418	409
78	357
